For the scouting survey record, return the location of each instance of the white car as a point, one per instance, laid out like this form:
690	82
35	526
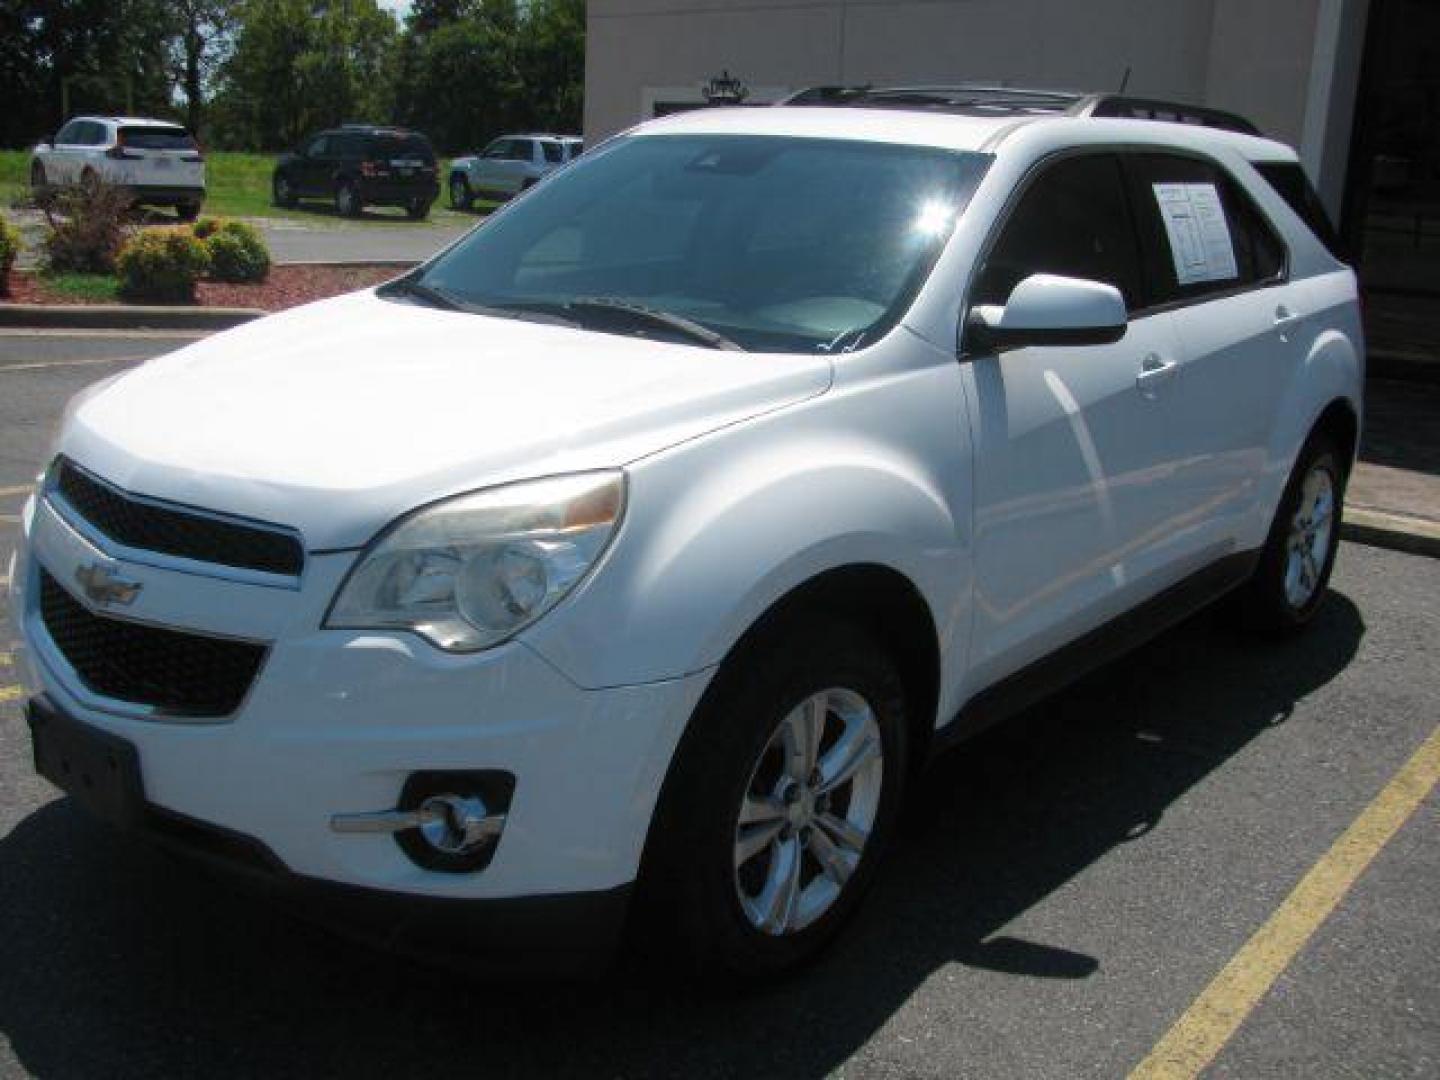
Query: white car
158	162
630	556
508	166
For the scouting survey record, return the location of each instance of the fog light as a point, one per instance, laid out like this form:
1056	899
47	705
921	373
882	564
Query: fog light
457	824
447	821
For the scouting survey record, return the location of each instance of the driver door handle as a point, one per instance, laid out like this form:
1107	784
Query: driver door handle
1154	372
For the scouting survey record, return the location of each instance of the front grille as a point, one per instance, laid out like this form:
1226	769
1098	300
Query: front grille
141	523
180	673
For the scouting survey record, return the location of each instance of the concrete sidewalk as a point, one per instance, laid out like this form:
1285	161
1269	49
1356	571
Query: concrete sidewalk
1394	494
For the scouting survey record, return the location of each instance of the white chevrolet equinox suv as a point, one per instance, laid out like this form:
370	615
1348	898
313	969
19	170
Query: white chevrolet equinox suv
633	554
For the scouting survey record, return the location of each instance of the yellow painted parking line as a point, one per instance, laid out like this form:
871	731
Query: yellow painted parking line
1210	1023
10	519
6	660
10	693
18	489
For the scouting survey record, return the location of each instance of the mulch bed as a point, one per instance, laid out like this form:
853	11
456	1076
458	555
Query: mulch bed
286	287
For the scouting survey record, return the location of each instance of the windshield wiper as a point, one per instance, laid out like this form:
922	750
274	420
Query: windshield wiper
667	320
412	288
448	301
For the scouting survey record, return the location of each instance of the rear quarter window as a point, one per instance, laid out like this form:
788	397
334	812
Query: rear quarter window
1291	184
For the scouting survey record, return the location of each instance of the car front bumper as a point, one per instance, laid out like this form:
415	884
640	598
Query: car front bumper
336	722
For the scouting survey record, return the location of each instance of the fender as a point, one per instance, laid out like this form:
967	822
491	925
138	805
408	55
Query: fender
1333	370
721	528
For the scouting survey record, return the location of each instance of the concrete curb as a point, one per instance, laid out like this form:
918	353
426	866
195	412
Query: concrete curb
122	317
1398	532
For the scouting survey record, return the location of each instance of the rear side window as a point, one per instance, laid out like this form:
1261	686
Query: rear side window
401	146
554	152
1290	182
1073	221
1201	233
157	138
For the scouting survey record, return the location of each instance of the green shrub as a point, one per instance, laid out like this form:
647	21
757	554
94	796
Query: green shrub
162	265
85	229
9	248
237	253
206	227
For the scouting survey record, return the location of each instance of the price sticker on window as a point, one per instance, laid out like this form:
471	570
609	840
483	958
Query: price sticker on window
1198	233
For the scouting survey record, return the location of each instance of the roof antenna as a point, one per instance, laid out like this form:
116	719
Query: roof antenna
1125	80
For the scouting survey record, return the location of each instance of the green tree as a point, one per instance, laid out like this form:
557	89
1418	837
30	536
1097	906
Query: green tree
200	32
63	57
472	69
299	65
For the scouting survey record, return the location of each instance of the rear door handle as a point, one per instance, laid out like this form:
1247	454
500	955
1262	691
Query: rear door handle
1154	372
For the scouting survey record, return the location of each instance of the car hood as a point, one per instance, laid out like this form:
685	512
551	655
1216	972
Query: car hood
337	417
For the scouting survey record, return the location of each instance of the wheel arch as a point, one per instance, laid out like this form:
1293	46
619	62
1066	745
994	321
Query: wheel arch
880	599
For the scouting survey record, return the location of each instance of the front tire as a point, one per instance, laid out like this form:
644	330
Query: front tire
417	209
780	804
1293	576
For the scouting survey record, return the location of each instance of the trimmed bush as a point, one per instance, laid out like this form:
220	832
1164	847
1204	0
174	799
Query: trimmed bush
9	248
237	254
206	227
162	265
85	229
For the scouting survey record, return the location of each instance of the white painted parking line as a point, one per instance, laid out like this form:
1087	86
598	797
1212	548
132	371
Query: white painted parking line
88	361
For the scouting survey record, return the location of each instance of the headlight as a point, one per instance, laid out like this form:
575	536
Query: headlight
472	571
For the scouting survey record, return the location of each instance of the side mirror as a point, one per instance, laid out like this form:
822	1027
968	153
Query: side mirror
1046	309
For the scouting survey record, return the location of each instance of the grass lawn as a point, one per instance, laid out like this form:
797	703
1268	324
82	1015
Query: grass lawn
92	288
238	185
14	175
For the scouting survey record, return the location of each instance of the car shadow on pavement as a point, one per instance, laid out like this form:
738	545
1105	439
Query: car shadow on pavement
117	964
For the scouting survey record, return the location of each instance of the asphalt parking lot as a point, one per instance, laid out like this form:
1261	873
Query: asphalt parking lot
1065	890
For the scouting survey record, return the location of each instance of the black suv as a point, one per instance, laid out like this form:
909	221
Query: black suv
357	166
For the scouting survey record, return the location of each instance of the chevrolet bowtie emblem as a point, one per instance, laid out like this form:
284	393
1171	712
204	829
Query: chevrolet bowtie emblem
104	586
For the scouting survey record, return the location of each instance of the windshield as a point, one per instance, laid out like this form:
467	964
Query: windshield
777	244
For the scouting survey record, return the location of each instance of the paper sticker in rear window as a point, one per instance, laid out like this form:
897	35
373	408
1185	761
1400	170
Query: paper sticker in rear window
1199	235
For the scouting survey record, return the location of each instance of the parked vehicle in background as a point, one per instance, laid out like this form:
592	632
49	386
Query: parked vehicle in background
642	544
157	161
360	165
509	165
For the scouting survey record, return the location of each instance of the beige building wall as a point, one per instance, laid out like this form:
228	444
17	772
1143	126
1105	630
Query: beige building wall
1252	56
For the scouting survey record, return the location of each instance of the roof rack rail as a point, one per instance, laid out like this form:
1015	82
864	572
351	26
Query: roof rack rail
1124	107
994	99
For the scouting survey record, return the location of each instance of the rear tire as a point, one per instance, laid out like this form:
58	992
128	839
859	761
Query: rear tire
417	209
347	200
756	861
187	211
1290	584
282	194
461	197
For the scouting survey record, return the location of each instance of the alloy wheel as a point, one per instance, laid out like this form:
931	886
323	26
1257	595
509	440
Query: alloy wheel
808	811
1308	544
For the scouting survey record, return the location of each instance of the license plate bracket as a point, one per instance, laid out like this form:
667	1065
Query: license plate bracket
99	770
